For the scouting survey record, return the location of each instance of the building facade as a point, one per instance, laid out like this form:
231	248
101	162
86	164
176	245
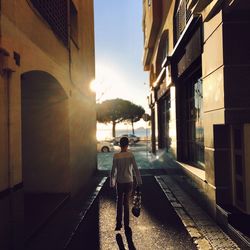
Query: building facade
47	111
197	56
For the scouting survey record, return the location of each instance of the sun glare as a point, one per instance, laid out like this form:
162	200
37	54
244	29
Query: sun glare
94	85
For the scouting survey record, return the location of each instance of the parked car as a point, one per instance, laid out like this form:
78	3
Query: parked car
105	146
132	138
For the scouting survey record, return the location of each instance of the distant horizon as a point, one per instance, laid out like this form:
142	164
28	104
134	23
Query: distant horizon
105	131
122	129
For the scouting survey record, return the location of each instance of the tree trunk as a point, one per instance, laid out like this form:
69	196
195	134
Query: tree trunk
133	130
113	128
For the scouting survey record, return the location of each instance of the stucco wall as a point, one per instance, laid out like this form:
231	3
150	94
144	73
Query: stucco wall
26	33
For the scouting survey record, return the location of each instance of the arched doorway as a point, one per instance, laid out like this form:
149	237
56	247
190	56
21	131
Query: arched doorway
45	134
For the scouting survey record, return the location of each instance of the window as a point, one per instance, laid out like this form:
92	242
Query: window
194	119
55	13
73	23
149	3
181	18
164	120
162	51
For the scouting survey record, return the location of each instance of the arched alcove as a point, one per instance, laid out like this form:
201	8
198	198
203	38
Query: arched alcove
45	134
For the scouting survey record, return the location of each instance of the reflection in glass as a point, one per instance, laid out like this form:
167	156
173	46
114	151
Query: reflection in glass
195	123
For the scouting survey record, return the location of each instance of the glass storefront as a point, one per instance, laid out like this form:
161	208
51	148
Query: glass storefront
164	117
194	119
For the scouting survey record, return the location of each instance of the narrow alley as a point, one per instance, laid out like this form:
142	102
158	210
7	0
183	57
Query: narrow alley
170	218
158	227
167	83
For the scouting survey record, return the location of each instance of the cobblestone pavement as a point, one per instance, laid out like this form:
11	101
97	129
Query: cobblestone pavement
202	228
158	227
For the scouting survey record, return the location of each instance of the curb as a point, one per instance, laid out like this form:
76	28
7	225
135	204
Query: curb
198	239
205	233
85	210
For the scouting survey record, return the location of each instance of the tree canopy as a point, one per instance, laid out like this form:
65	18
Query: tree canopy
134	114
117	110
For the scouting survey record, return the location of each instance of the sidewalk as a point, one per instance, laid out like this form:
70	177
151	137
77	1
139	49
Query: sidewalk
202	228
169	220
59	230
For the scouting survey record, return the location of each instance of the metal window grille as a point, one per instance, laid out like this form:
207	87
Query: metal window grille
55	13
181	18
73	23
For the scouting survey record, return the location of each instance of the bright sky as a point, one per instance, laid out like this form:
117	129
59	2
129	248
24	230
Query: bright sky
119	50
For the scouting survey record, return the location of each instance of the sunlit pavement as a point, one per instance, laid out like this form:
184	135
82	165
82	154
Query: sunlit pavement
158	227
170	219
144	158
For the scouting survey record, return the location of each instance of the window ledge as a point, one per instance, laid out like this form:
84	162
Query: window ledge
199	173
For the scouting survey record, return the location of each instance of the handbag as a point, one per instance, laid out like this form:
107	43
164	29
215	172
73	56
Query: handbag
136	209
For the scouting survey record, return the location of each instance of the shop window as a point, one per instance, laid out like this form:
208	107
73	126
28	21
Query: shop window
194	118
55	14
164	119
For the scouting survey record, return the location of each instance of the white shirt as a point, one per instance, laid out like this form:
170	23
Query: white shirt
123	167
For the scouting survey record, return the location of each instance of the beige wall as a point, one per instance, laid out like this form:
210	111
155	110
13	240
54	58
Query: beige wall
213	89
26	33
225	76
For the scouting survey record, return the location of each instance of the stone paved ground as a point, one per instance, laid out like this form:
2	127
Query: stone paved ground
158	227
204	231
144	158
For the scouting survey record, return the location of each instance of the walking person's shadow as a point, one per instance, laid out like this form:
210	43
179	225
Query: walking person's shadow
119	240
129	234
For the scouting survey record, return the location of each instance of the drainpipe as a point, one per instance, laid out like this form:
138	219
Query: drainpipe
6	73
7	66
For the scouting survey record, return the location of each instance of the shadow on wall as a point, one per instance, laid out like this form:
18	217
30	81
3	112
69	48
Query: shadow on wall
45	134
45	147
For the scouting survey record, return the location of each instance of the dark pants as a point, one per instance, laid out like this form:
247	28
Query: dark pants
123	193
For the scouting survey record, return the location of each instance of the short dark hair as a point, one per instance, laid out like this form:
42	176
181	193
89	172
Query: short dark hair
124	141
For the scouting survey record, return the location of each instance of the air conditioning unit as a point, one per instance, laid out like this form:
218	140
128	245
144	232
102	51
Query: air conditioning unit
241	167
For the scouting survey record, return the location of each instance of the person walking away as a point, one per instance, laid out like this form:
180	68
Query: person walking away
121	176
